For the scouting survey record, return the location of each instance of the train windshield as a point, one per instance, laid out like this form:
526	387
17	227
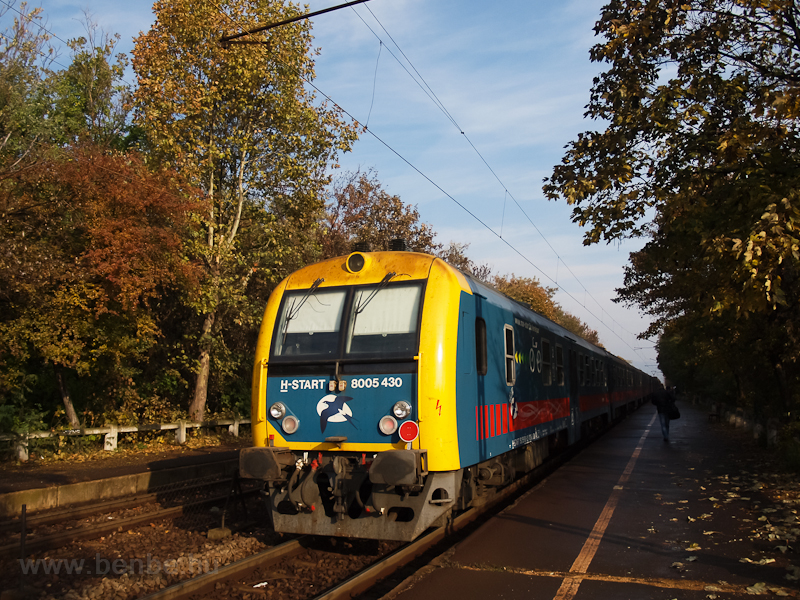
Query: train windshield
369	322
384	320
309	323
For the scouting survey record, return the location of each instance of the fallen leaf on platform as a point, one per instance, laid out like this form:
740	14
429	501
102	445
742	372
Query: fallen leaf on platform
763	561
757	589
694	546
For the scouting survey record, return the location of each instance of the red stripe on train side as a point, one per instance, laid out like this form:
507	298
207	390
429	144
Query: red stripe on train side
593	401
541	411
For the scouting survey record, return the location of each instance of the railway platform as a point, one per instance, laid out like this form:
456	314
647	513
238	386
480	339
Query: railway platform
56	485
633	516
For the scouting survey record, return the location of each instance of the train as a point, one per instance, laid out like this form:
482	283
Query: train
392	390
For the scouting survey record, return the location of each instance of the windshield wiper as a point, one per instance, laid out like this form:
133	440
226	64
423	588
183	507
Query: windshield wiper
363	305
294	311
383	283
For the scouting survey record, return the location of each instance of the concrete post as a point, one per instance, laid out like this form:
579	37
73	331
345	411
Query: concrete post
110	443
21	449
180	433
233	428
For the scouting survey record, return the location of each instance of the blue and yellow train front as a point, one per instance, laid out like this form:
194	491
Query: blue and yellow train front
354	396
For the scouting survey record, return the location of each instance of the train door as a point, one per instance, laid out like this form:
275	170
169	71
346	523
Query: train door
473	367
574	397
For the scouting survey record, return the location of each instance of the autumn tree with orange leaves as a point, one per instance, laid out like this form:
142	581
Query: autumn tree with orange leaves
92	239
80	297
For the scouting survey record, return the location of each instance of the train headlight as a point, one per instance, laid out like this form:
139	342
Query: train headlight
387	425
277	410
401	409
355	262
290	424
409	431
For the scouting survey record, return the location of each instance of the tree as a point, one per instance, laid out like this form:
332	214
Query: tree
91	97
89	240
530	292
360	210
42	110
239	124
24	92
700	152
455	253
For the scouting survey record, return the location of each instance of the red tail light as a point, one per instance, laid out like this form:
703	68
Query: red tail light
409	431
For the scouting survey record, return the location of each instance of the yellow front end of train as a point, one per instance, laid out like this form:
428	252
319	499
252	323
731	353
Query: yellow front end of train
354	396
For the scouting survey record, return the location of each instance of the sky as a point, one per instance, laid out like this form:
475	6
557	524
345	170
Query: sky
507	84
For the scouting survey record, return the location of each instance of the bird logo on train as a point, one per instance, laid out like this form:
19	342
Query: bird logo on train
334	409
513	407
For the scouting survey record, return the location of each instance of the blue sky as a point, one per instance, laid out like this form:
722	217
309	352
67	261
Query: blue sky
514	75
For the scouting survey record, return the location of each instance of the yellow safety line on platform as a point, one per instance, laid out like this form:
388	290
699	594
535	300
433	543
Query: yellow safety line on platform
572	581
673	584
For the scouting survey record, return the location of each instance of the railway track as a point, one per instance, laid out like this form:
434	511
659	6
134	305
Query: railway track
186	504
257	574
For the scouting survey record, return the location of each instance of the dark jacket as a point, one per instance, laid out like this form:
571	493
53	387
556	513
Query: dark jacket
664	400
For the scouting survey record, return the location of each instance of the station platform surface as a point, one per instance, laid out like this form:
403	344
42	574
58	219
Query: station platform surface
40	487
32	475
632	516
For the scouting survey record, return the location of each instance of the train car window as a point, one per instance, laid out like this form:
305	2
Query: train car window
384	320
547	374
511	368
580	370
309	323
559	365
586	369
481	357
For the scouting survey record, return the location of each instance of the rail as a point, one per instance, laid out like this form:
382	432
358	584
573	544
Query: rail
111	433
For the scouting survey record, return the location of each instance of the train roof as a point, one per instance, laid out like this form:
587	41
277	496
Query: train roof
417	265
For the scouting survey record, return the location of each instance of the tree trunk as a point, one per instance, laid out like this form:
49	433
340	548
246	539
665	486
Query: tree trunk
69	409
197	408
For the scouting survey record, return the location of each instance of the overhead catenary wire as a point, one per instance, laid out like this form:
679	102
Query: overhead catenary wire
448	195
442	108
429	91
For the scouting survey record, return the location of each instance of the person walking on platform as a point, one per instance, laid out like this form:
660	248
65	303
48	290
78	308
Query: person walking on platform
667	411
